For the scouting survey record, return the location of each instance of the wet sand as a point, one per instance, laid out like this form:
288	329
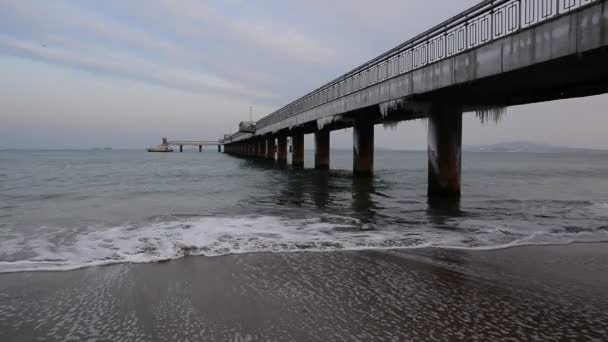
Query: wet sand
550	293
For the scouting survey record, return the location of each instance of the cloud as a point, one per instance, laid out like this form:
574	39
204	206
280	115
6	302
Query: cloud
275	39
60	16
124	65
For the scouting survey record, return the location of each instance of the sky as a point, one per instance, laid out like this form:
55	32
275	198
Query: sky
123	74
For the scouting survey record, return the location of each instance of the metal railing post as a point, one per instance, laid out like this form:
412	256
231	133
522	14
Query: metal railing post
521	14
491	21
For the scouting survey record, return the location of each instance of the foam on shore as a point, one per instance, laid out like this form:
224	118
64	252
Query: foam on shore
215	236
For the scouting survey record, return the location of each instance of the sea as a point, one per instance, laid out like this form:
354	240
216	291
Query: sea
64	210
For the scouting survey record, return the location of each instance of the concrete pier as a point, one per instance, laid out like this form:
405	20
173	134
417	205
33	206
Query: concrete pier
219	148
494	55
297	156
322	149
282	149
444	151
363	147
181	148
200	148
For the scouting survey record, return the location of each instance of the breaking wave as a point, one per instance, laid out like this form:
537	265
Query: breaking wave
215	236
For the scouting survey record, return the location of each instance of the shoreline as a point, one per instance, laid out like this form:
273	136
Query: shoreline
110	263
549	293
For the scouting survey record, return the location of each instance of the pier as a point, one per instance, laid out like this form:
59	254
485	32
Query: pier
494	55
166	145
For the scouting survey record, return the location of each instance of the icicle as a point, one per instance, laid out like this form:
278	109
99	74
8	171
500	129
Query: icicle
321	123
495	114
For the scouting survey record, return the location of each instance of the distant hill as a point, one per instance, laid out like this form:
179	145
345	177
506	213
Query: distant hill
522	146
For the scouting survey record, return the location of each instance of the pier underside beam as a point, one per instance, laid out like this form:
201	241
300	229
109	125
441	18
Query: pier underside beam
282	149
322	149
363	147
444	151
297	157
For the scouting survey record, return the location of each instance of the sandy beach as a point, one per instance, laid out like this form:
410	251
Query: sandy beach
546	293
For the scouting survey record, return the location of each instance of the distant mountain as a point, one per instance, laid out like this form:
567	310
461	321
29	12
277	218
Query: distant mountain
522	146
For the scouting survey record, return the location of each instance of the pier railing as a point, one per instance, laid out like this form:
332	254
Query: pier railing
481	24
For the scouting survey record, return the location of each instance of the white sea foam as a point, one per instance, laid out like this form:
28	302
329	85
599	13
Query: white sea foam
599	208
214	236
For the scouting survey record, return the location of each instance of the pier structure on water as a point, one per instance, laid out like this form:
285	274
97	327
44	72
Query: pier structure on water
496	54
167	145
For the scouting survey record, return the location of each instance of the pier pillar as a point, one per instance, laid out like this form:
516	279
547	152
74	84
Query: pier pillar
363	147
261	149
270	148
282	149
219	148
297	156
200	148
181	148
444	151
322	149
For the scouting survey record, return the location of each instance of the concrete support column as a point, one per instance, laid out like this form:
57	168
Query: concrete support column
444	151
200	148
219	148
181	148
297	156
322	149
282	149
270	148
261	149
363	147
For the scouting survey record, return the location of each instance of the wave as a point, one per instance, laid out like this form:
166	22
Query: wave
215	236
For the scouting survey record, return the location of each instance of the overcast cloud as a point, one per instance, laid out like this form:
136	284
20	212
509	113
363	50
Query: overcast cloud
124	73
